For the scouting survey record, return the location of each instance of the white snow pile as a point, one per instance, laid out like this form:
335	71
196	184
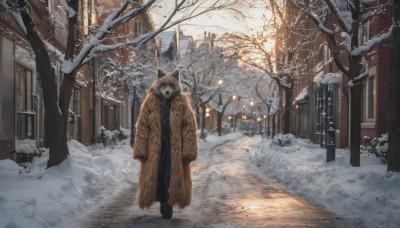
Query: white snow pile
301	95
26	146
285	140
366	196
214	140
46	197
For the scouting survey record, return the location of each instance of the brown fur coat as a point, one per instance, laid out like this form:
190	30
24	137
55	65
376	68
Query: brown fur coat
183	149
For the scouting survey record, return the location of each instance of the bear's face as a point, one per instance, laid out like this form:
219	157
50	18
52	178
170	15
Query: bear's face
167	84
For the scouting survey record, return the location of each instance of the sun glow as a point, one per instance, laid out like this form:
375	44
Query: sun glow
257	26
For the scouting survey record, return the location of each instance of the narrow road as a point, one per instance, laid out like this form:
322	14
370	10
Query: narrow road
226	193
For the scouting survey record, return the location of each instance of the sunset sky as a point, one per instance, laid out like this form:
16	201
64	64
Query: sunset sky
217	22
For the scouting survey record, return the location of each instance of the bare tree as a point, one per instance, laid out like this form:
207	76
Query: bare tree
57	105
394	94
267	92
203	70
282	63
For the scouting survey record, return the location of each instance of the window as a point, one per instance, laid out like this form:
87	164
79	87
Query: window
368	93
137	28
75	115
364	33
328	53
24	102
320	54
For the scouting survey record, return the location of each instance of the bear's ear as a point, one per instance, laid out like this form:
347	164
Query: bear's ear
176	74
160	73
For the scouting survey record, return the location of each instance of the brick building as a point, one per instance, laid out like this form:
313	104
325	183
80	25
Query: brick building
21	99
321	93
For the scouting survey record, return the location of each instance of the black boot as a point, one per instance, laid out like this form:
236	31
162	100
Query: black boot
162	206
167	210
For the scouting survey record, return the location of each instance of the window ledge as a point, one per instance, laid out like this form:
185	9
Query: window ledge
367	125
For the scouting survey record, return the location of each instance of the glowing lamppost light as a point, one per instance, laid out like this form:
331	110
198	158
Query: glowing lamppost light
265	116
252	103
229	117
234	97
244	106
220	82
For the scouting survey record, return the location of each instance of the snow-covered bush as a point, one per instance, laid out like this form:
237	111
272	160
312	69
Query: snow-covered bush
284	140
379	147
109	138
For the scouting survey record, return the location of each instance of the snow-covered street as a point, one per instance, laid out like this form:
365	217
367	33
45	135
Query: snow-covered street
238	181
227	193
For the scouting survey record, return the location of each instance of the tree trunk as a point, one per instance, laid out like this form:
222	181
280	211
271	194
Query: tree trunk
273	125
267	129
234	126
219	123
55	121
56	129
203	121
355	125
197	112
287	112
394	95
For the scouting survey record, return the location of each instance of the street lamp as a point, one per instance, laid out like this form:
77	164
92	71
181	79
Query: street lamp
252	103
234	97
220	82
265	126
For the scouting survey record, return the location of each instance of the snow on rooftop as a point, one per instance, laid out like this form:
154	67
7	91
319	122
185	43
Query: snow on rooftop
184	42
301	95
103	95
328	79
165	39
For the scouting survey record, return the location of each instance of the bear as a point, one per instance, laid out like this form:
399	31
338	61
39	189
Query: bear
165	144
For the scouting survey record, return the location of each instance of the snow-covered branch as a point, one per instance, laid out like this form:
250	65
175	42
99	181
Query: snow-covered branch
318	22
69	10
111	22
16	15
371	43
345	23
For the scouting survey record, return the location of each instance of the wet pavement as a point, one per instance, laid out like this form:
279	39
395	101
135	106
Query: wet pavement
227	192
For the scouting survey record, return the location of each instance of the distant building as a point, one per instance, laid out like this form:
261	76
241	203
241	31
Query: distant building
169	44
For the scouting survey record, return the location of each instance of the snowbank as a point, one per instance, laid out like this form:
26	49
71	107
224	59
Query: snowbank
214	140
46	197
285	140
367	196
51	197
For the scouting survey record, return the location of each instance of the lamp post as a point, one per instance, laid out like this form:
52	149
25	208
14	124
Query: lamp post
265	125
234	97
331	144
241	119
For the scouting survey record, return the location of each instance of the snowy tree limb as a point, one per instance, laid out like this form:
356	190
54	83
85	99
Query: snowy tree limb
69	10
339	14
16	15
372	43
